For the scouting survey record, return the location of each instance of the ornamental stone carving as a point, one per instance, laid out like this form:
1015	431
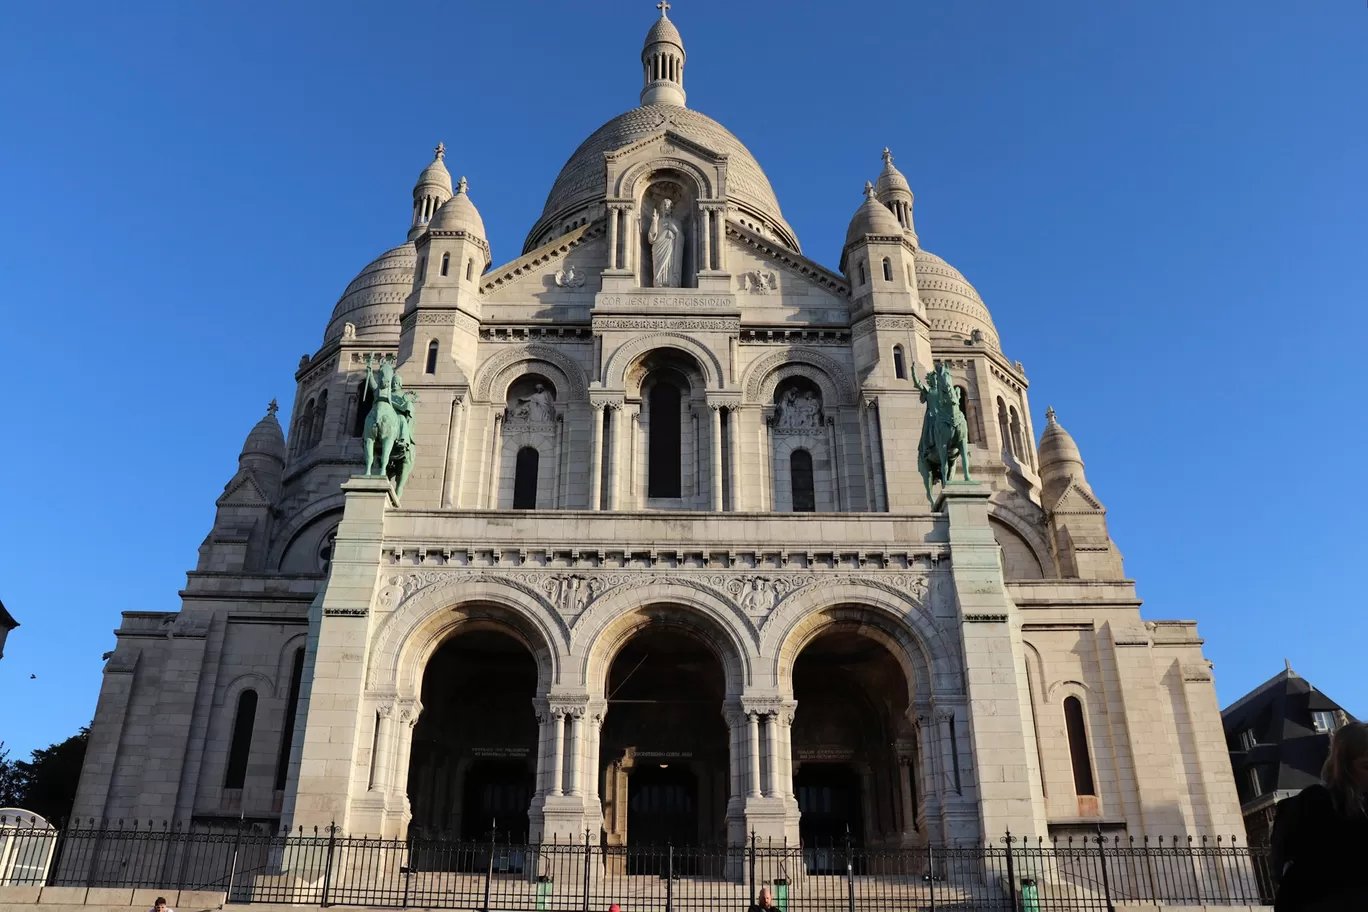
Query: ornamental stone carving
569	277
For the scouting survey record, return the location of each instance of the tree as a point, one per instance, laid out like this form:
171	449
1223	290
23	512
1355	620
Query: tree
46	783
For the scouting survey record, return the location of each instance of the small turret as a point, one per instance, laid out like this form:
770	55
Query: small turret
894	192
238	539
432	190
1078	522
263	453
870	219
662	61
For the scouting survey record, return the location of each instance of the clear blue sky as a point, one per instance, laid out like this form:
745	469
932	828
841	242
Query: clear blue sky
1163	204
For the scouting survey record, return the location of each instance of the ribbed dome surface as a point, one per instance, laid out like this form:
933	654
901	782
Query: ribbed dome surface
582	180
953	307
890	178
872	217
664	30
266	439
458	214
374	301
436	173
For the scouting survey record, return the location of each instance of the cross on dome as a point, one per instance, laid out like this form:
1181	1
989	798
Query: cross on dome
887	156
869	190
664	7
440	151
1050	414
462	184
272	408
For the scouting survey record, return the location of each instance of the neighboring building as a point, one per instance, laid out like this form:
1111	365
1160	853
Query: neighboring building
1279	736
665	568
7	623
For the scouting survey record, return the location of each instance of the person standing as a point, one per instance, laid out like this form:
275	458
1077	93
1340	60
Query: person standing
1320	835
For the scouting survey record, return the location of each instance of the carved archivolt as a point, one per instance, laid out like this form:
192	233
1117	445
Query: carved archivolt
430	606
767	373
498	373
626	187
614	372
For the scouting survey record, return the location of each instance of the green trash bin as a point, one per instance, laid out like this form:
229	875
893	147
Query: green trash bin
544	885
1030	896
781	894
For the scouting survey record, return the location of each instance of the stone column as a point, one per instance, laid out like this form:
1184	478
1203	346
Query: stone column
753	784
615	473
705	239
496	463
614	214
593	731
785	717
379	772
734	455
451	489
716	408
543	758
557	752
837	483
773	739
574	738
596	455
907	802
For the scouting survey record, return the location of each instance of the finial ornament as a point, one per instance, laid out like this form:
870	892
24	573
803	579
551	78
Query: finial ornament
440	151
664	7
462	184
869	190
272	408
1050	414
887	156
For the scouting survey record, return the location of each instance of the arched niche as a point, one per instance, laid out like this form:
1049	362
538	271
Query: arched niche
1019	560
531	421
667	203
802	458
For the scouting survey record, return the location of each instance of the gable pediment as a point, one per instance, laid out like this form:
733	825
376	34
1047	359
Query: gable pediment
243	491
1077	498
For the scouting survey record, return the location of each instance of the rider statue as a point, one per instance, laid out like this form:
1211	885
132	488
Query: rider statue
389	424
945	433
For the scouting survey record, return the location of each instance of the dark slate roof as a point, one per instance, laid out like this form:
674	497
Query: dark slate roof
1288	752
7	620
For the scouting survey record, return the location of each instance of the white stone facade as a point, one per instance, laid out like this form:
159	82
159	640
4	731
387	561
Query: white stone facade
731	463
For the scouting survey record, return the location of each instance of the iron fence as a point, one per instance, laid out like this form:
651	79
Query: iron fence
326	868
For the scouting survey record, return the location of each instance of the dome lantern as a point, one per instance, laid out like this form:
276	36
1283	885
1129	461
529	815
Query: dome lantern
432	190
662	62
895	193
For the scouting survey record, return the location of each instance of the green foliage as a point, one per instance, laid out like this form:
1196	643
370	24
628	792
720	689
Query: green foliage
46	783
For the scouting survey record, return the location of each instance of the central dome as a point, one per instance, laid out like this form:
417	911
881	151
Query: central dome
582	180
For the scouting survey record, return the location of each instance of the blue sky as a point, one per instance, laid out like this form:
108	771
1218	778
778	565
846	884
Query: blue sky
1163	204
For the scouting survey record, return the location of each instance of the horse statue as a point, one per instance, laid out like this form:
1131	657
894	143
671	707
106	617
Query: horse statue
945	433
389	424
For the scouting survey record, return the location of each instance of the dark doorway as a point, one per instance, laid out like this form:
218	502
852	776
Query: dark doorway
829	799
474	750
664	451
662	805
525	479
495	800
804	492
664	752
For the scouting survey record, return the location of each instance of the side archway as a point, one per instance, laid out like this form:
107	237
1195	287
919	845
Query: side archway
763	376
498	373
615	370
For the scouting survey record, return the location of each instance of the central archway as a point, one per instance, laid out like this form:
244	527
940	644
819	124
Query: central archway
474	750
665	752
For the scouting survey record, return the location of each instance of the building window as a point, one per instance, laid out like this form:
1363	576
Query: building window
446	263
899	366
1003	427
1324	720
422	269
910	280
1255	782
888	269
664	463
525	479
967	408
1078	747
470	269
306	424
241	745
431	366
863	277
1017	448
320	416
291	707
800	474
1247	739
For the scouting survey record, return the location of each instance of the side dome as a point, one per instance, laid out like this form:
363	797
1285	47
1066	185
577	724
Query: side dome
872	217
582	181
374	301
459	214
953	308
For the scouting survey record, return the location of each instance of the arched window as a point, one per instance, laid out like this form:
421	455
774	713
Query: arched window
910	280
431	366
306	427
446	263
888	269
863	277
967	408
525	479
1078	747
899	365
422	268
800	472
320	417
1003	427
470	269
241	745
1017	449
664	450
291	707
363	404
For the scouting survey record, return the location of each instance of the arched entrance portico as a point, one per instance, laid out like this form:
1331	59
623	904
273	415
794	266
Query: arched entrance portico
474	749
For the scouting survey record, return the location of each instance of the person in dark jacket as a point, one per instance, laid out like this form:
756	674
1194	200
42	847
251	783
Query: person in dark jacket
1320	837
765	902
